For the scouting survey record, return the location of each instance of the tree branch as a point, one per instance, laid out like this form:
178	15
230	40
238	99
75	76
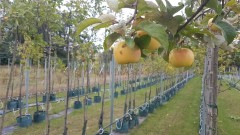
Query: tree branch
201	14
135	4
190	19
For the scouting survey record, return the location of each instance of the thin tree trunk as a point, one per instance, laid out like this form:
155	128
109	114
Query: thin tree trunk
48	90
12	84
85	120
36	85
10	80
68	87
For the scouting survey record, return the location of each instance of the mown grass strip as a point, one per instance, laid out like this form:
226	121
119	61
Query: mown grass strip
228	111
180	116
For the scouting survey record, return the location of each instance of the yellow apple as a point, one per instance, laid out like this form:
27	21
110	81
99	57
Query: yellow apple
153	44
181	57
123	54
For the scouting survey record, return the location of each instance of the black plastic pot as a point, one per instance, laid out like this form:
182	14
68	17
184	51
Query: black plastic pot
116	85
95	89
232	85
24	121
123	92
138	80
139	87
71	93
116	94
103	133
158	102
44	98
77	105
155	103
144	85
88	101
89	90
134	89
134	121
122	125
82	91
151	107
12	105
143	111
39	116
52	97
19	104
97	99
77	92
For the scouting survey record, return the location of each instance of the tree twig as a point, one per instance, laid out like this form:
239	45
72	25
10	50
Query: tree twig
201	14
135	4
190	19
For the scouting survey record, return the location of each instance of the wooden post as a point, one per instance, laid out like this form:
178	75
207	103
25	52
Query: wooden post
211	90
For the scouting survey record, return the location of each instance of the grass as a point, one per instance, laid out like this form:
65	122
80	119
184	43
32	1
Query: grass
228	106
180	116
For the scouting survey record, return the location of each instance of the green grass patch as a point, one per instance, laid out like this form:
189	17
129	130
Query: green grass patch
179	116
229	111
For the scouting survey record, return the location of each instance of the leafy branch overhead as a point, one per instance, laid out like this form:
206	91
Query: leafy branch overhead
163	22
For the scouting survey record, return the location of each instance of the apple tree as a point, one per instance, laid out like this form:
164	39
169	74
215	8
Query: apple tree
205	25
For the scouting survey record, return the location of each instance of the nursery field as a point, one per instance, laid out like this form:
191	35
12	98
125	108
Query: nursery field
119	67
139	97
177	116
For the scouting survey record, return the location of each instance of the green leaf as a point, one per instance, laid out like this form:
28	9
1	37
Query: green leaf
188	11
175	9
155	30
194	42
189	31
172	44
146	52
110	39
166	56
86	23
166	19
107	18
130	42
102	25
213	4
160	50
151	4
168	4
143	41
144	7
231	3
143	55
228	31
180	19
126	3
161	5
